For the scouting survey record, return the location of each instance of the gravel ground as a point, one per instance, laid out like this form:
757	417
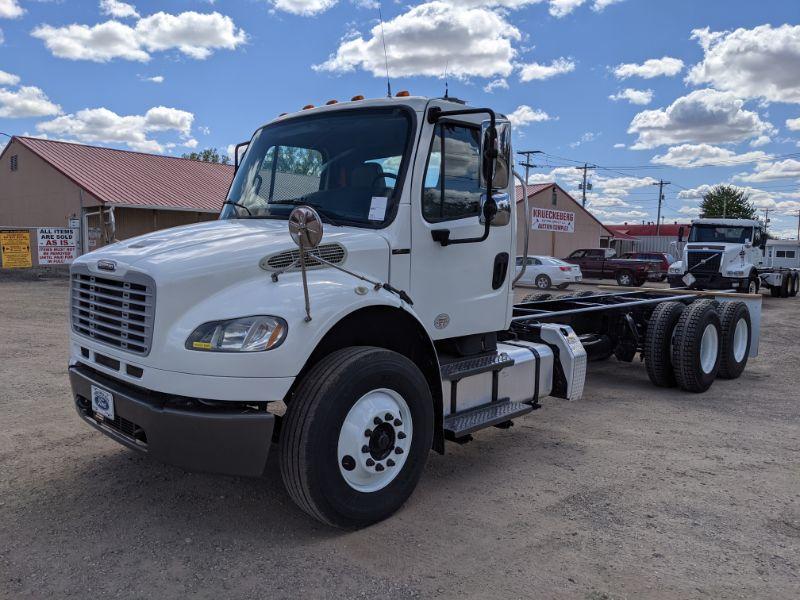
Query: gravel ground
631	492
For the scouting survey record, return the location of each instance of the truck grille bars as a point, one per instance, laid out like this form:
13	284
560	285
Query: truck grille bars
711	264
115	312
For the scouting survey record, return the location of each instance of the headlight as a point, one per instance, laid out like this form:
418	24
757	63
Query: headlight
248	334
676	269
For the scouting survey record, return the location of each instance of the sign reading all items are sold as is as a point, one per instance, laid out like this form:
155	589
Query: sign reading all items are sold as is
547	219
57	246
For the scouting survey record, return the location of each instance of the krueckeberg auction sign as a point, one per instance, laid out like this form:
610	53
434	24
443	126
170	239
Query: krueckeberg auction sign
57	246
547	219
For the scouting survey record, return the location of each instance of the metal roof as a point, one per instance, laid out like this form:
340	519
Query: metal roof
636	231
135	179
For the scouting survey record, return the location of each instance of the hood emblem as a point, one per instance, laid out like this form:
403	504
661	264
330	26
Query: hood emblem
107	265
441	321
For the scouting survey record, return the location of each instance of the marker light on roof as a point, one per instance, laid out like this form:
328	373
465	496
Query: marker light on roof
402	94
356	98
329	102
308	106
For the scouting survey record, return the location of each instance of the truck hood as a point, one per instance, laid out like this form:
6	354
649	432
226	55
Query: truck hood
229	250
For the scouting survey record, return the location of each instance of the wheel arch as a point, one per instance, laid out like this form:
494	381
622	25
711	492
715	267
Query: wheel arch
391	328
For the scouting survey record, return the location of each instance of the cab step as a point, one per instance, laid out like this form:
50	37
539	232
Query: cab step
461	424
467	367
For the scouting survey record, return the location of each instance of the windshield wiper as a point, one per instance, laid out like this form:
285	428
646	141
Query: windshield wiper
324	212
240	205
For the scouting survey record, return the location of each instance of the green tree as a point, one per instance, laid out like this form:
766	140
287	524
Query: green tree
727	201
208	155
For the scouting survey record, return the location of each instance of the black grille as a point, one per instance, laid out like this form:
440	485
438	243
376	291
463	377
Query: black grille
116	312
711	264
127	428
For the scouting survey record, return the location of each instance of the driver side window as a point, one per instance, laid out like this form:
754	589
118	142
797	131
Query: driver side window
288	173
452	188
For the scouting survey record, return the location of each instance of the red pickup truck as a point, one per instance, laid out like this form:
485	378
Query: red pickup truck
601	263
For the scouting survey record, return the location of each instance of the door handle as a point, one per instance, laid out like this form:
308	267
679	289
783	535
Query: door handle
500	270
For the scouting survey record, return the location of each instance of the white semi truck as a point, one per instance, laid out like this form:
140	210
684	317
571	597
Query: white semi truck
358	351
724	254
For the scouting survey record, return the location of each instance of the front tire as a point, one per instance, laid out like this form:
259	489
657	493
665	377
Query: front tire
543	282
336	411
696	347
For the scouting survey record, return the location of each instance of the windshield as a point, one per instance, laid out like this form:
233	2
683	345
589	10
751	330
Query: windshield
720	234
346	164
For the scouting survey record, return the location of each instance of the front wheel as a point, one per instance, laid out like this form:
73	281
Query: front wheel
356	436
543	282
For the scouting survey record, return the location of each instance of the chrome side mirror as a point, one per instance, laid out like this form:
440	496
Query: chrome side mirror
501	209
305	227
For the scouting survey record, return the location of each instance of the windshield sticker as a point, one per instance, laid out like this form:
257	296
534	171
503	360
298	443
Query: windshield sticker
377	208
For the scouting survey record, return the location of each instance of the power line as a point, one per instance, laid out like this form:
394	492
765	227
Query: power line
583	187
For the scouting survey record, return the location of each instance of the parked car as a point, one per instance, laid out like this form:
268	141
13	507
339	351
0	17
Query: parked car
664	258
545	272
602	263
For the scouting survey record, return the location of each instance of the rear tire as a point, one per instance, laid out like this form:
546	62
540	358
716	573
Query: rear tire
796	286
775	291
658	343
543	282
328	407
736	335
696	347
625	279
784	290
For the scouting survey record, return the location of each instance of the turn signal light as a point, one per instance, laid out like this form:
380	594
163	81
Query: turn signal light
329	102
308	106
356	98
402	94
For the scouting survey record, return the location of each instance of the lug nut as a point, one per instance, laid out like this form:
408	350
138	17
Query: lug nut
377	420
401	435
348	463
388	417
390	463
398	450
370	462
397	422
365	449
379	467
368	433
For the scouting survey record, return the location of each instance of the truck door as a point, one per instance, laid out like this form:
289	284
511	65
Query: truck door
595	262
457	289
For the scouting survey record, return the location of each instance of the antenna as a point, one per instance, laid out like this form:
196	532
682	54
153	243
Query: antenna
385	54
446	86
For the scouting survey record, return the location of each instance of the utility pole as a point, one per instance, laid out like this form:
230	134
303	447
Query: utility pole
661	183
766	219
798	225
528	164
584	186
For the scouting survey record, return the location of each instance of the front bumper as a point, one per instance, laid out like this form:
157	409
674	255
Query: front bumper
178	431
709	281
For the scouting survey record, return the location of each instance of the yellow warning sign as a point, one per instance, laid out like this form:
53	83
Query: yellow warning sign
16	249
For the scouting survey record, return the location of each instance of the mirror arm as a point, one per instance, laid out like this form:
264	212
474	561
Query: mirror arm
236	155
442	236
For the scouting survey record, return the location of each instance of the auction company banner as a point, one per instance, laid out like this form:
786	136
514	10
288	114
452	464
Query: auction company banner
57	246
548	219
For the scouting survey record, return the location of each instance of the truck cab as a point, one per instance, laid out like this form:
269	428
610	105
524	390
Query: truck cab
351	304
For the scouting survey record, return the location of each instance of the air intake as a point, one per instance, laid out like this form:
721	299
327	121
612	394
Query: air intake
332	253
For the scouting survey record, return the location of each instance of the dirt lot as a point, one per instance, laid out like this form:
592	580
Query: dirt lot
631	492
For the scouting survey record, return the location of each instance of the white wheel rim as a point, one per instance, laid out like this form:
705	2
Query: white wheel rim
709	348
542	283
625	279
740	336
752	288
386	440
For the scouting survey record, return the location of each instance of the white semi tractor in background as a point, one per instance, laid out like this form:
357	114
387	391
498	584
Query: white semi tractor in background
725	254
359	351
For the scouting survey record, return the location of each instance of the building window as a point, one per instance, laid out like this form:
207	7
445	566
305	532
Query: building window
554	197
784	254
14	162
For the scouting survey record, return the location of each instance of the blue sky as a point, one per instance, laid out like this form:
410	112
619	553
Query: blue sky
696	93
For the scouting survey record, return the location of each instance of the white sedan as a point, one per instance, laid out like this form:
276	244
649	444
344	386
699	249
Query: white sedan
545	272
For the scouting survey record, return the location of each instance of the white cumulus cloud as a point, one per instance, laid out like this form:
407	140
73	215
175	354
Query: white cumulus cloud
10	9
495	84
525	115
793	124
703	116
194	34
762	62
654	67
8	78
120	10
633	96
26	101
688	156
303	7
471	41
536	71
770	171
101	125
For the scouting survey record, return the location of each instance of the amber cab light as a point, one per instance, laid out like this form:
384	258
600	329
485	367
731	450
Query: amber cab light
356	98
402	94
329	102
